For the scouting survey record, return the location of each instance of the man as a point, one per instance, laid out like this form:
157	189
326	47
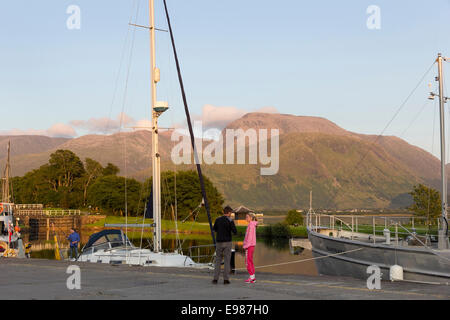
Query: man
74	239
223	227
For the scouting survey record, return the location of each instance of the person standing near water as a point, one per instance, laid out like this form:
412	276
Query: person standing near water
74	239
249	245
223	226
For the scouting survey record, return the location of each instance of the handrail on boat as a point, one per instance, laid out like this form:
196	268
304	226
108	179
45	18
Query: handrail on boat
198	251
315	221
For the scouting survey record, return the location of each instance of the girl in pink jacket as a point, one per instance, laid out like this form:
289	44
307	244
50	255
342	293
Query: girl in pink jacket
249	246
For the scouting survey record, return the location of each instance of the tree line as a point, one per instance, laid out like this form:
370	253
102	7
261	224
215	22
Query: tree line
67	182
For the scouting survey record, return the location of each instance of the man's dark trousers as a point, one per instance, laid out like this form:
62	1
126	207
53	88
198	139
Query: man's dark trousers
223	251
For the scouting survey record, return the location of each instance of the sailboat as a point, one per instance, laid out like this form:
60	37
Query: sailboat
113	246
341	250
8	238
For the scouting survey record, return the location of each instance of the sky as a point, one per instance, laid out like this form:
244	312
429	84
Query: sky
313	58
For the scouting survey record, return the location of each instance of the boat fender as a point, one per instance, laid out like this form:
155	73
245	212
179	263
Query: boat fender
396	273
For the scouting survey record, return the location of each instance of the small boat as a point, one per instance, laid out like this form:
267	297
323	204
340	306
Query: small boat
341	250
7	223
113	247
8	237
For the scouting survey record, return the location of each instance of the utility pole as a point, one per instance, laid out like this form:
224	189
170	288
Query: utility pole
442	236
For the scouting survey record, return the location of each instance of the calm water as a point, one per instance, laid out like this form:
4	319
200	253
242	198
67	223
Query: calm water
267	251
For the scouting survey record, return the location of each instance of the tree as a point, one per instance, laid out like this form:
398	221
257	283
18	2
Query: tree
111	170
293	217
108	192
427	202
93	170
66	166
188	194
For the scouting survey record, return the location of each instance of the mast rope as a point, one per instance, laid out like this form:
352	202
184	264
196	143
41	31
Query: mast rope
121	124
188	117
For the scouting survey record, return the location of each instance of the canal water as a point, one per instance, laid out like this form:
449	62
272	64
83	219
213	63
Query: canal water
271	255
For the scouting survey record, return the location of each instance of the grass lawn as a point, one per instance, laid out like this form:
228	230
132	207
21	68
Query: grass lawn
167	225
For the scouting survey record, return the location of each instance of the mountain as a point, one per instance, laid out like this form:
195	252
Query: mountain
28	144
344	169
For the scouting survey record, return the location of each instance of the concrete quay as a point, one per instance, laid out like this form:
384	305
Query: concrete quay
41	279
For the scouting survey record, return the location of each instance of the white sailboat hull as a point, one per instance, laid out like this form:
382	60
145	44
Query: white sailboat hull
140	257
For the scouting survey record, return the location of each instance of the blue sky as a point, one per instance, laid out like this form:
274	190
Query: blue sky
314	58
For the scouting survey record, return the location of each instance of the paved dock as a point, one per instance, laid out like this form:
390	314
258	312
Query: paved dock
46	279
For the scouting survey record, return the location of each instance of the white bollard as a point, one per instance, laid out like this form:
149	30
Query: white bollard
396	273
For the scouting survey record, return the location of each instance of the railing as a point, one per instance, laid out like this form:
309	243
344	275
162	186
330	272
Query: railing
401	226
47	213
33	206
201	258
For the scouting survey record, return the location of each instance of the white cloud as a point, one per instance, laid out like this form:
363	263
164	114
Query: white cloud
103	125
61	130
211	117
57	130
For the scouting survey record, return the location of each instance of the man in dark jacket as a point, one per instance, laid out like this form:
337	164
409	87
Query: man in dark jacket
223	227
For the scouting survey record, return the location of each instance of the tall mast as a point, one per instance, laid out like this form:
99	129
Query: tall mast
5	179
155	153
443	241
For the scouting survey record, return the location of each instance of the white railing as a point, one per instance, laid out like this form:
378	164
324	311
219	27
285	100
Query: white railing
375	225
48	213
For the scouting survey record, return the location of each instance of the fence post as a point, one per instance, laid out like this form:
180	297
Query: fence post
373	225
352	226
396	233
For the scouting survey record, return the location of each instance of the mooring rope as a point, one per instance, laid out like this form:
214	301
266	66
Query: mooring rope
303	260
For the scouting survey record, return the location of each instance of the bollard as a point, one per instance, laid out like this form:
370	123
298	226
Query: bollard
232	262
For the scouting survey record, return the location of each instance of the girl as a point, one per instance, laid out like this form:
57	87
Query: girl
249	245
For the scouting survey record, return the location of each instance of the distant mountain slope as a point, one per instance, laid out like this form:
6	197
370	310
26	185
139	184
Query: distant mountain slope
28	144
344	169
286	123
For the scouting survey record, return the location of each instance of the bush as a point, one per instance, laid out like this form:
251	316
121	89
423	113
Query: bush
264	231
280	230
294	218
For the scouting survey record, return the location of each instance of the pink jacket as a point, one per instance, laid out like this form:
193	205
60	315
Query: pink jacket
250	234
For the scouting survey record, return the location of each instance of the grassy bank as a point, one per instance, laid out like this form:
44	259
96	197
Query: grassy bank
167	225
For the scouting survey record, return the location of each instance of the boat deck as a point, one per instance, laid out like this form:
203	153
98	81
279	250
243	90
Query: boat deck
46	279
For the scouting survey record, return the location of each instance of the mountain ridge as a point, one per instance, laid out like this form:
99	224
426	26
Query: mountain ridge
344	169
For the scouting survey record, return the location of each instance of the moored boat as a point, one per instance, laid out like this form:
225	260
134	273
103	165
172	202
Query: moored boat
341	250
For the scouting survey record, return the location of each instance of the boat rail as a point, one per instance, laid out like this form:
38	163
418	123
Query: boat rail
376	225
197	258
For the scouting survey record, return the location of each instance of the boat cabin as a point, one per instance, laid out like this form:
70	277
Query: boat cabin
107	239
6	217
